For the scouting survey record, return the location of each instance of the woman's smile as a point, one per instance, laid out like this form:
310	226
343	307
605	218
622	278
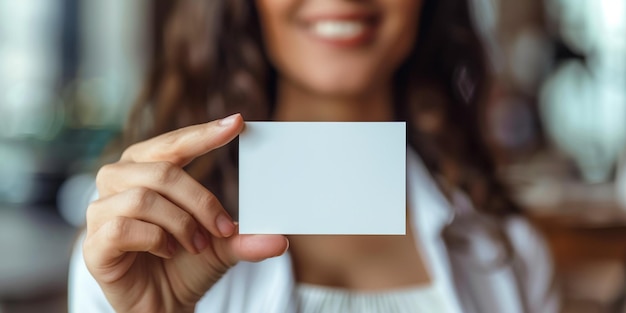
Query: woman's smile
344	30
338	48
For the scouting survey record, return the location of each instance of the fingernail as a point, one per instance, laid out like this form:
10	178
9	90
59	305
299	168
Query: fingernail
229	120
200	241
287	248
225	225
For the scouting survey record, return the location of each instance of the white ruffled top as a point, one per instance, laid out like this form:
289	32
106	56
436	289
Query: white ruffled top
322	299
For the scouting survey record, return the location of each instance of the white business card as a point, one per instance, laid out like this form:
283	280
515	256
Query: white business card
322	178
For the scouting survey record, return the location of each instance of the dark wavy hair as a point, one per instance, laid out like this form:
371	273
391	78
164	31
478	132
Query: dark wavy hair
209	61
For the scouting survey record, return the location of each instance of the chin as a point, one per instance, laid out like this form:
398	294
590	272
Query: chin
340	91
352	85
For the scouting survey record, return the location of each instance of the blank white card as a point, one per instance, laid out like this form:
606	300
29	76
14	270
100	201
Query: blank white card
322	178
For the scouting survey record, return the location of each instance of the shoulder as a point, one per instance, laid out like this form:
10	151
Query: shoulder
531	253
533	264
505	256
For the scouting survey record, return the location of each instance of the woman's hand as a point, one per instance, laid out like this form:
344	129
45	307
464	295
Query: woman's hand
157	240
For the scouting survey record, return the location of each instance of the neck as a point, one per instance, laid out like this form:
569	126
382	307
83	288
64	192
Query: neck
297	104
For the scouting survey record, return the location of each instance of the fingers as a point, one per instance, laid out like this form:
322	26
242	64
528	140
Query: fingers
254	248
183	145
120	235
174	184
251	248
149	203
149	206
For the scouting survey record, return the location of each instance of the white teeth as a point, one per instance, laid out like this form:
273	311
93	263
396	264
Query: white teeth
337	29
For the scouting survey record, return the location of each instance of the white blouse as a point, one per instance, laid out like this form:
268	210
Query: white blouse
321	299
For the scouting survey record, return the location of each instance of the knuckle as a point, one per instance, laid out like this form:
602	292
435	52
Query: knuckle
127	154
172	138
90	213
141	198
89	250
159	239
166	173
116	229
96	214
176	141
207	200
184	224
103	174
91	245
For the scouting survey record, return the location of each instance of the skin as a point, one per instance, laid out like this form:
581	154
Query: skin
354	84
157	240
322	82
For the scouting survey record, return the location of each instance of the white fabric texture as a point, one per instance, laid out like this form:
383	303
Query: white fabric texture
319	299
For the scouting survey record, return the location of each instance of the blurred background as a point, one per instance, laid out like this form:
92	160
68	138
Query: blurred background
70	69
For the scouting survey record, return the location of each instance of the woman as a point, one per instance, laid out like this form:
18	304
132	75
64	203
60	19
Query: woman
159	239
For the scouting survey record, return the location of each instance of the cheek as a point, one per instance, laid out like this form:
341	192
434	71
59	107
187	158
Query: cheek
276	19
402	29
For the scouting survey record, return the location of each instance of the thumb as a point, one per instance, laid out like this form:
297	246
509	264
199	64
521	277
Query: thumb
254	248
